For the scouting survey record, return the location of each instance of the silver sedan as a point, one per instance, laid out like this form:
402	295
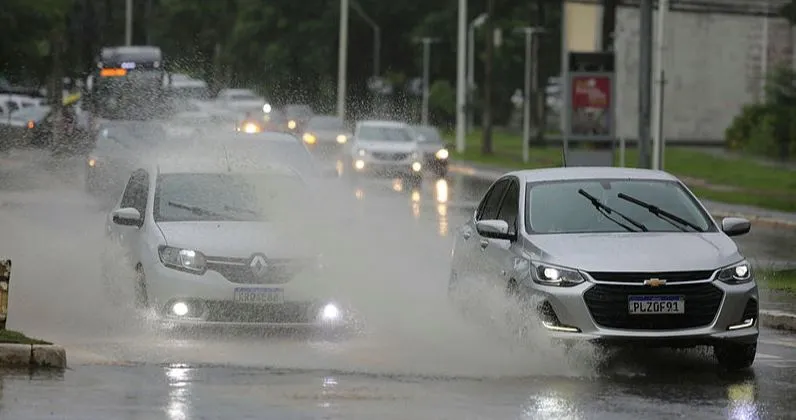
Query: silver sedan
615	256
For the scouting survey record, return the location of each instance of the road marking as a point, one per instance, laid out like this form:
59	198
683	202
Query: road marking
767	356
779	343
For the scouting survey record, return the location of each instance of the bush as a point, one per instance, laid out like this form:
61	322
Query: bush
737	135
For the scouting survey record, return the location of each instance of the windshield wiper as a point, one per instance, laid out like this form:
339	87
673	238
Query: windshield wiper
607	211
661	214
199	211
241	210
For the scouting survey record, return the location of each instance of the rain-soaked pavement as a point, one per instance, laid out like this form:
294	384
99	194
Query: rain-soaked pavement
417	360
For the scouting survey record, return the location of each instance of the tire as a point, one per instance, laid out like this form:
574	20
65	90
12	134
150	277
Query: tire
140	297
735	356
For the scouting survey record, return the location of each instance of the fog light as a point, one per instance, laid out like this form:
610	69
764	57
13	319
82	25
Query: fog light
417	167
560	328
360	164
330	312
180	309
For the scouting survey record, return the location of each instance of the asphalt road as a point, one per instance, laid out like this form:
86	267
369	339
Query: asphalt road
417	359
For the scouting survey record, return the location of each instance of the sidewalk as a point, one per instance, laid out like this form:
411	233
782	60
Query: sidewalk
778	309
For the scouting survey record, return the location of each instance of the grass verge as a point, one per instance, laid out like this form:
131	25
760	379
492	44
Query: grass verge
726	179
16	337
784	280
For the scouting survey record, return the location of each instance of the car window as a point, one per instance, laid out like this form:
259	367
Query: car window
12	106
326	123
574	213
136	192
33	113
488	209
428	134
511	206
384	133
227	197
243	97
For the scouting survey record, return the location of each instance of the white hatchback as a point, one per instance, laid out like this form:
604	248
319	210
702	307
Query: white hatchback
212	244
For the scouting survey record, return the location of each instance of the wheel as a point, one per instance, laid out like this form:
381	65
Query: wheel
140	297
735	356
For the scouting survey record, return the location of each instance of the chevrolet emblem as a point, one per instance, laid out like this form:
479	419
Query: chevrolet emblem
654	282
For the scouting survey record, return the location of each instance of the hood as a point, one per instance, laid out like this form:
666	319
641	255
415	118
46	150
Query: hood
234	239
387	146
430	147
641	252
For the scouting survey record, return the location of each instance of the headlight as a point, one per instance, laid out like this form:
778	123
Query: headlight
555	276
736	274
92	162
251	128
361	152
267	108
291	124
442	154
342	139
182	259
309	138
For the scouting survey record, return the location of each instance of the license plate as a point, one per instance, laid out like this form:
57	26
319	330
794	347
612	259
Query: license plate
656	305
259	295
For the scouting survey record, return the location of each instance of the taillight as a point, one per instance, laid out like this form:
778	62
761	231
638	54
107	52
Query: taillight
31	124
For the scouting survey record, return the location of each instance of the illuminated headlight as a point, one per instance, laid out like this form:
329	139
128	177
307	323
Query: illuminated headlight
416	166
309	138
330	312
555	276
342	139
359	164
92	162
442	154
267	108
180	309
182	259
251	128
361	152
291	124
736	274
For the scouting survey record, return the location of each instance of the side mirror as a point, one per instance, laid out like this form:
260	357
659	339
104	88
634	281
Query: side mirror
735	226
494	229
127	216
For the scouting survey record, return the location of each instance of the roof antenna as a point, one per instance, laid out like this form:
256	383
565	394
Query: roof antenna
226	158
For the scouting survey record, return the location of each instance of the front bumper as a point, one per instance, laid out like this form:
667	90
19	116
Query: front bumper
213	300
599	313
373	164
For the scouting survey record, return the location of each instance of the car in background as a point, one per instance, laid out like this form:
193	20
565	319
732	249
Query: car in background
434	149
211	243
326	136
385	147
243	100
297	117
10	103
614	256
27	127
185	87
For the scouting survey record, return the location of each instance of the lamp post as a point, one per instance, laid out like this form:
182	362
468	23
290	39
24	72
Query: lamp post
526	117
461	69
376	37
342	59
128	23
475	23
426	41
657	113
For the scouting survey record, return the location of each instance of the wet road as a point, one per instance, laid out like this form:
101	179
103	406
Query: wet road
417	359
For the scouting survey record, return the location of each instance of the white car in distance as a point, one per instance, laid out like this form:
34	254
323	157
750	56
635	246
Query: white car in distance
242	100
386	147
218	245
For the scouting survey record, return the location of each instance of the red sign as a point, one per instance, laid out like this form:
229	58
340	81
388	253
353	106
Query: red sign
591	92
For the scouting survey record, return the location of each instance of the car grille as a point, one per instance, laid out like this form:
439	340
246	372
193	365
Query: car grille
390	156
219	311
608	305
237	270
639	277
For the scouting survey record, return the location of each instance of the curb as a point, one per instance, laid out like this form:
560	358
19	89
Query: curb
32	355
493	175
778	320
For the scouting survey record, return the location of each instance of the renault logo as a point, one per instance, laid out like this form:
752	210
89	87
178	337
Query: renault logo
654	282
258	265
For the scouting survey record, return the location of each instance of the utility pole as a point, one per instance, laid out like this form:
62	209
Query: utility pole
461	88
475	23
376	36
128	23
342	59
486	126
657	118
426	41
644	83
529	78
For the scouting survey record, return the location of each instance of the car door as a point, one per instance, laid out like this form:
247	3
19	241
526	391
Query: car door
503	254
135	195
470	245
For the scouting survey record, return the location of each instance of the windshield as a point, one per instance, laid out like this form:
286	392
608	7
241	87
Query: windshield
384	133
243	97
430	134
226	197
298	111
560	207
30	114
326	123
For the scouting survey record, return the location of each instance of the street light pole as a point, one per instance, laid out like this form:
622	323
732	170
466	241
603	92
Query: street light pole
475	23
461	68
376	36
128	23
426	64
657	114
342	59
526	118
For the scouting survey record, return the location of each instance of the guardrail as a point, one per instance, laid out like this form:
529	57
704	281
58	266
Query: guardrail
5	280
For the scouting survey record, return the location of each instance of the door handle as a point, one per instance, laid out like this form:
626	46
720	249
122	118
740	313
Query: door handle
467	234
484	243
